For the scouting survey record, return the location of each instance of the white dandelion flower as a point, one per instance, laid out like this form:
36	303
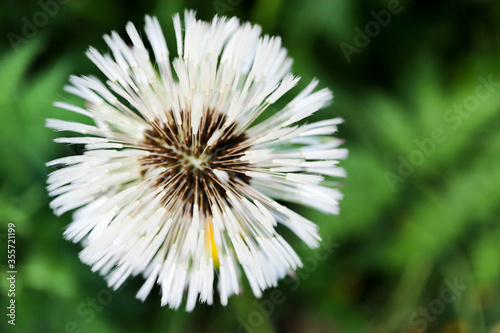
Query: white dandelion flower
177	182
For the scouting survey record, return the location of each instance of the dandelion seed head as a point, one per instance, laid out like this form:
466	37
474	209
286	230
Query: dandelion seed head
178	182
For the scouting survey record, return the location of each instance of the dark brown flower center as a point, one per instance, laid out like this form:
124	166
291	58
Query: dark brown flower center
194	168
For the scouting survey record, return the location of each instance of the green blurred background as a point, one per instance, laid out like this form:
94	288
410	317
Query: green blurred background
416	246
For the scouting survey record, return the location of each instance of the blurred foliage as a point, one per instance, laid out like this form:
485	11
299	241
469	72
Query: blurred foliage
420	212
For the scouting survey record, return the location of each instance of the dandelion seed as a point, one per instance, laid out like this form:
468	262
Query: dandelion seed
177	181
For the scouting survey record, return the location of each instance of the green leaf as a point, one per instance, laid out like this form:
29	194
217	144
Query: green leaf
13	67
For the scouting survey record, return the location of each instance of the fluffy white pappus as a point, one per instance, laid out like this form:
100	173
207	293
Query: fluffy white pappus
177	181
